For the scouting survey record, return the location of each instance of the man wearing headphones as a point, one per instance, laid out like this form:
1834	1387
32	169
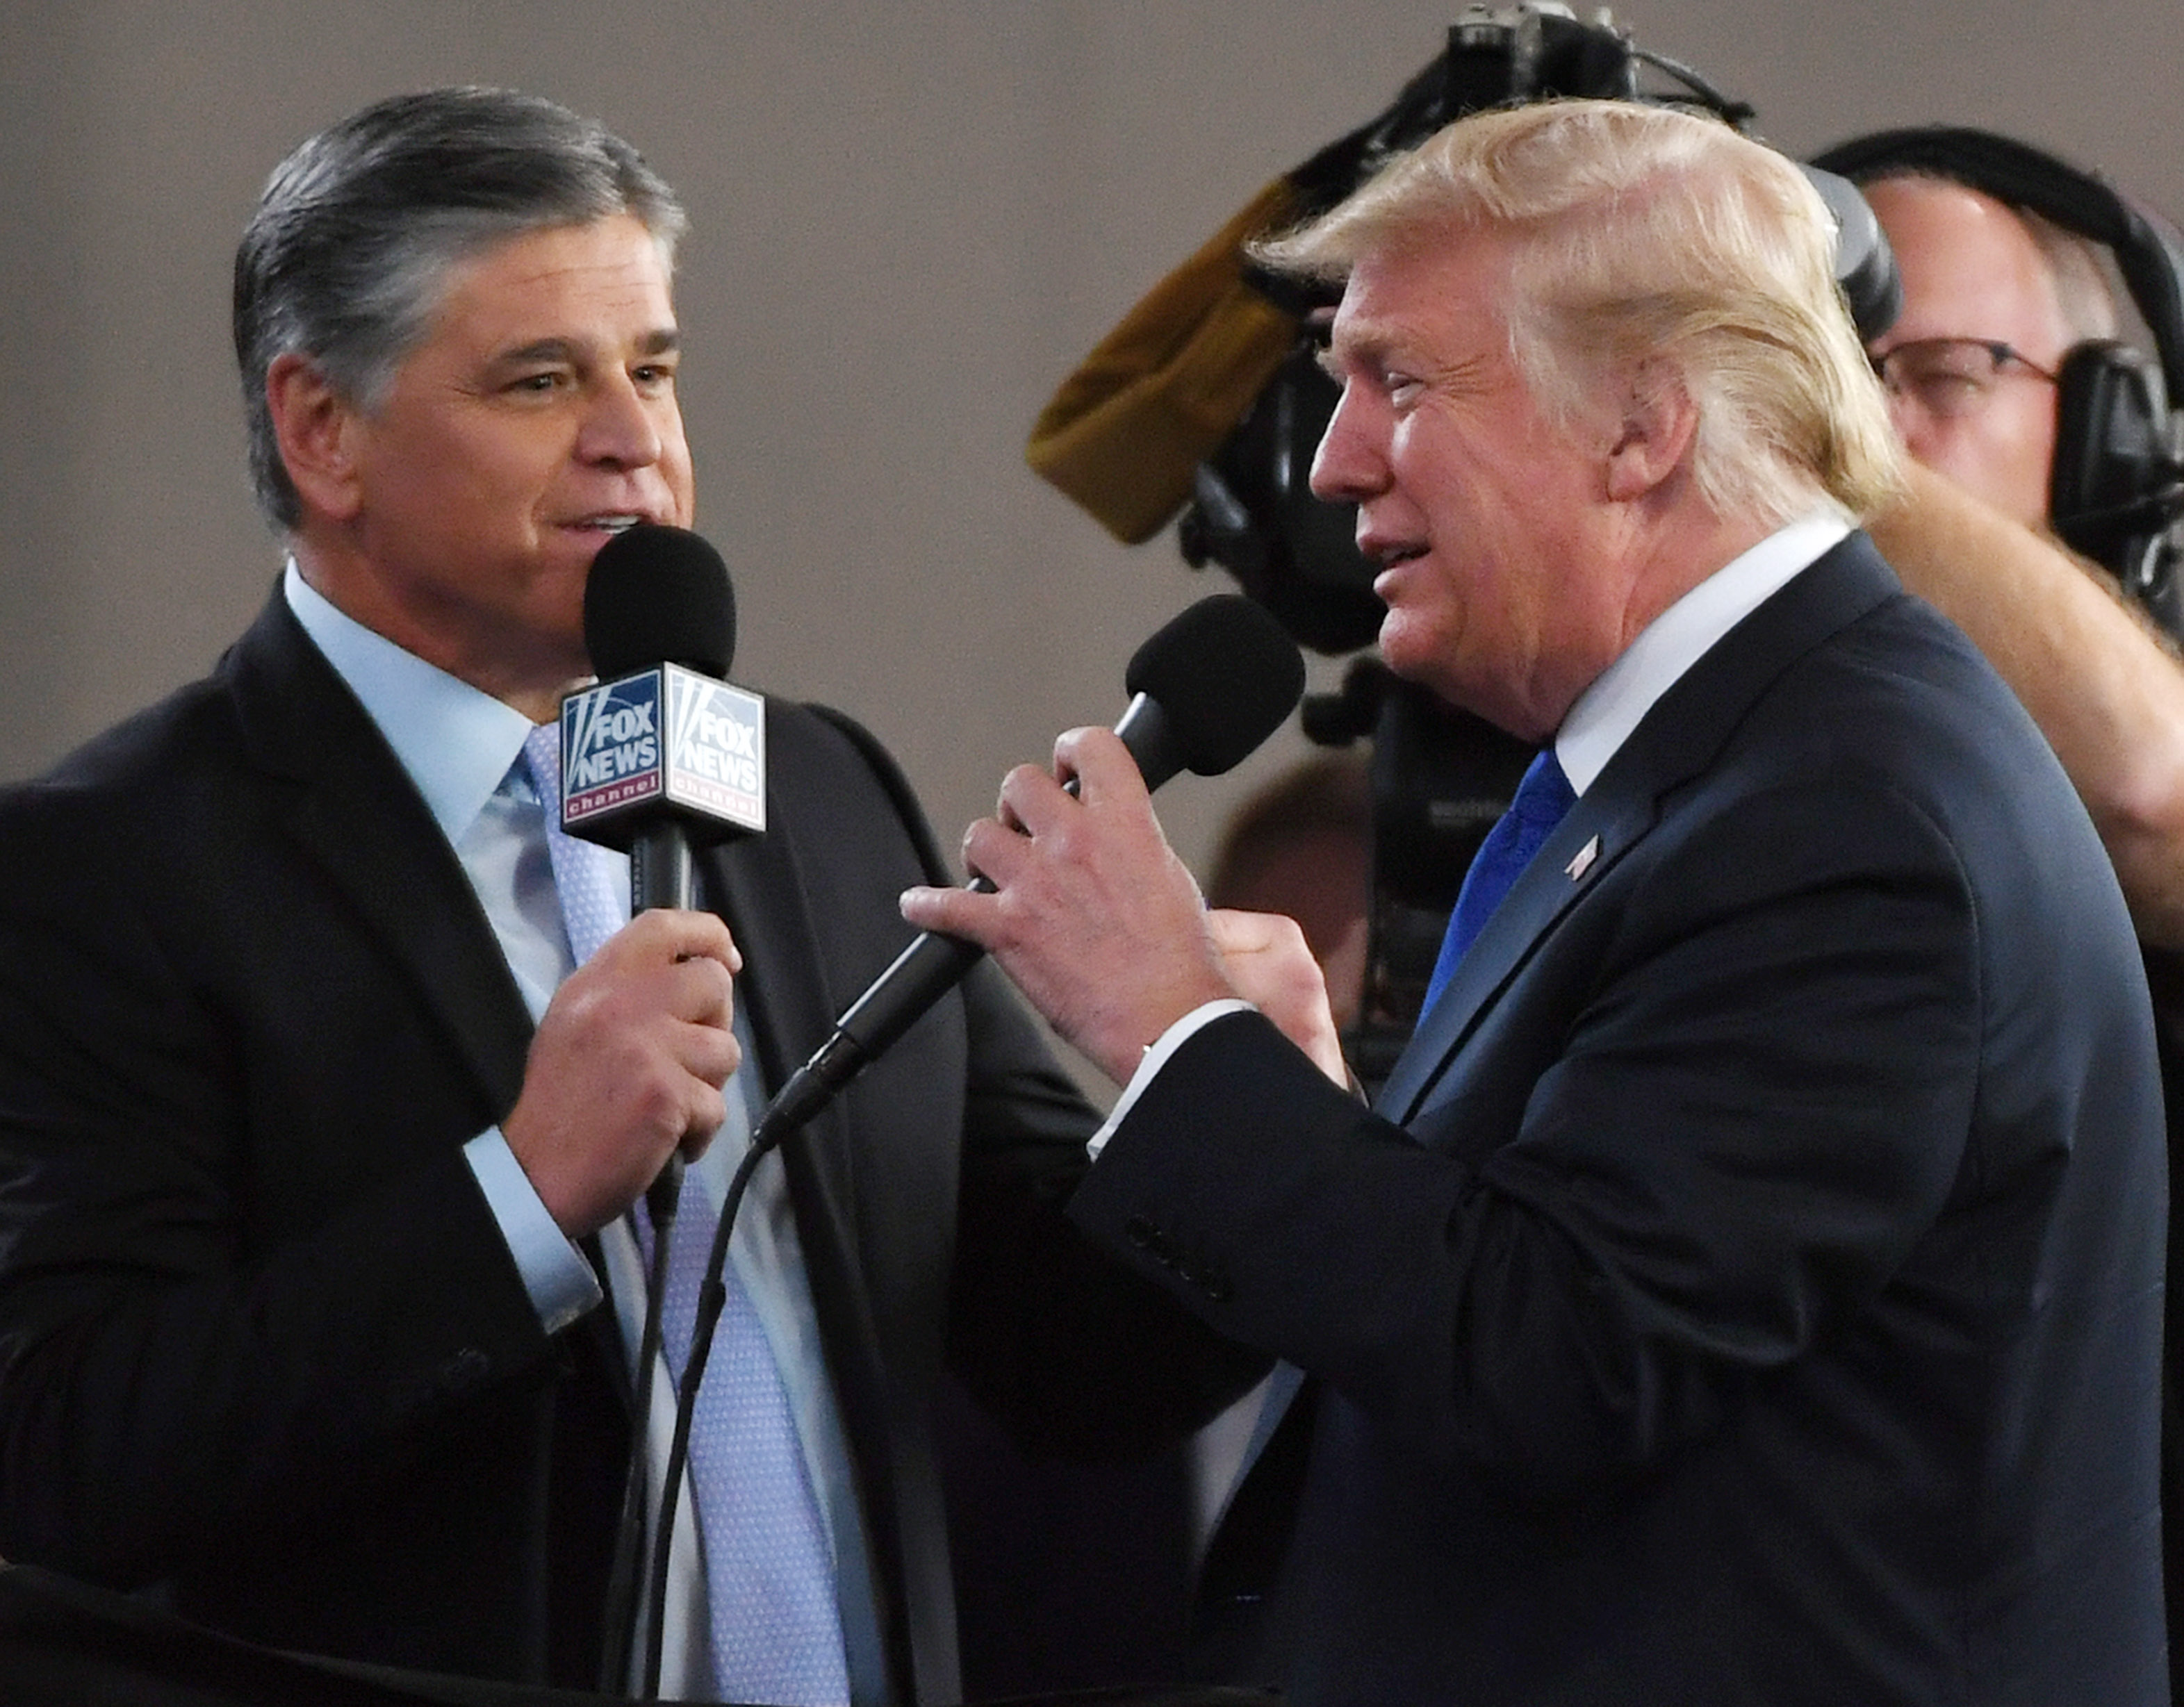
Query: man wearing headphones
1997	299
1999	369
1979	405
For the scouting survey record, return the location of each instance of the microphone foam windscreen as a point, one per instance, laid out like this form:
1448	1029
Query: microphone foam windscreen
1224	674
659	595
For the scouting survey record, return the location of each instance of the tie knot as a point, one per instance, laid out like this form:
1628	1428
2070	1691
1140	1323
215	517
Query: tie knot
541	750
1545	794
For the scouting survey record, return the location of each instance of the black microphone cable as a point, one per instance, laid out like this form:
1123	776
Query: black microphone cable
629	1528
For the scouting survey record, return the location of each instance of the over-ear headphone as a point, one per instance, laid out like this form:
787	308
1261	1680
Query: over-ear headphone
2116	492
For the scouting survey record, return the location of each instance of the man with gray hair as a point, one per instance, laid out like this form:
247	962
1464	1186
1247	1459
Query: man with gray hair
330	1074
1747	1287
1981	409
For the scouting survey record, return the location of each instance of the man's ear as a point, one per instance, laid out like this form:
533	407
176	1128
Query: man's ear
1659	426
315	429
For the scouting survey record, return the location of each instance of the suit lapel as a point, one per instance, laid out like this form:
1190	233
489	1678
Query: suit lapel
753	881
1599	830
343	796
1678	737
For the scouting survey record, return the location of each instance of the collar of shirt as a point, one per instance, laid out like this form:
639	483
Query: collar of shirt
1606	713
455	743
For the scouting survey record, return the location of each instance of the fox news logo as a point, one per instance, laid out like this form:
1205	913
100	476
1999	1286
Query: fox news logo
665	735
716	748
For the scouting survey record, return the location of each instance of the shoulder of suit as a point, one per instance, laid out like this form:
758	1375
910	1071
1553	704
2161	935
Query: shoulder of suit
173	756
824	762
803	733
150	750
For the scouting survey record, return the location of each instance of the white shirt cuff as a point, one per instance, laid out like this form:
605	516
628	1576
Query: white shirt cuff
1156	1057
560	1282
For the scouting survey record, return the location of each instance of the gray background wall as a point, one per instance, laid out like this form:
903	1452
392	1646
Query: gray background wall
909	221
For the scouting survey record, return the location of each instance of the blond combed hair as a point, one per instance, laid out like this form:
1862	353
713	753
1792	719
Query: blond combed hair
1649	244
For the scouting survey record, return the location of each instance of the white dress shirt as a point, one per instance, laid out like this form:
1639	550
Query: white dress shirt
1602	717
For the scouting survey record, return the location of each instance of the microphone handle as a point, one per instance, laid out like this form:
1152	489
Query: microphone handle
661	874
933	964
660	871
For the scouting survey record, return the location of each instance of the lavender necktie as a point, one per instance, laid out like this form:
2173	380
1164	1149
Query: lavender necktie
774	1630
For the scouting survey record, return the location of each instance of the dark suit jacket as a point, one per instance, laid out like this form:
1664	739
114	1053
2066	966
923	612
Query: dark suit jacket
1749	1286
262	1348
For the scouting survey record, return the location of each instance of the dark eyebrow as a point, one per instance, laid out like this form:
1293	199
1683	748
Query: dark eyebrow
663	341
544	350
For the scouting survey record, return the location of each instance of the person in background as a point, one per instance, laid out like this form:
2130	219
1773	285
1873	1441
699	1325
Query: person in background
1302	846
1995	296
2105	688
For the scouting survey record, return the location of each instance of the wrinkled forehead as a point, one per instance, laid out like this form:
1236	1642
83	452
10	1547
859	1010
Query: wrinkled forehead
1450	284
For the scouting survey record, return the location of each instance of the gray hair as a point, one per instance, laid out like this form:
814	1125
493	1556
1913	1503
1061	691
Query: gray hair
1649	238
2079	267
347	255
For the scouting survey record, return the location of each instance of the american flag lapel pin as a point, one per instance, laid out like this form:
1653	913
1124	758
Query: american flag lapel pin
1581	861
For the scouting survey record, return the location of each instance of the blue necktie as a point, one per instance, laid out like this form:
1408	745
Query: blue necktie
774	1630
1541	800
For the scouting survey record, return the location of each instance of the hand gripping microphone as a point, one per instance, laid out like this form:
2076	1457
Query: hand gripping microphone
1205	690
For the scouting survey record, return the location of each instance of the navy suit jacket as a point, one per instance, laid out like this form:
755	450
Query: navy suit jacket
1748	1288
262	1351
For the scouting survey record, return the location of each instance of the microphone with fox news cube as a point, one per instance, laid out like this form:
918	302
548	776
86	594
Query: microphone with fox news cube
659	758
1205	690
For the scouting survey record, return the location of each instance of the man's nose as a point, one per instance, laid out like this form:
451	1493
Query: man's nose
1349	465
619	428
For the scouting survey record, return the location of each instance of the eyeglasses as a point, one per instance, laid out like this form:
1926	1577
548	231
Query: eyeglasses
1950	377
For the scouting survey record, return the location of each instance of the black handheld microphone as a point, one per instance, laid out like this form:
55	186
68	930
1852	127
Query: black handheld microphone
1207	689
659	759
